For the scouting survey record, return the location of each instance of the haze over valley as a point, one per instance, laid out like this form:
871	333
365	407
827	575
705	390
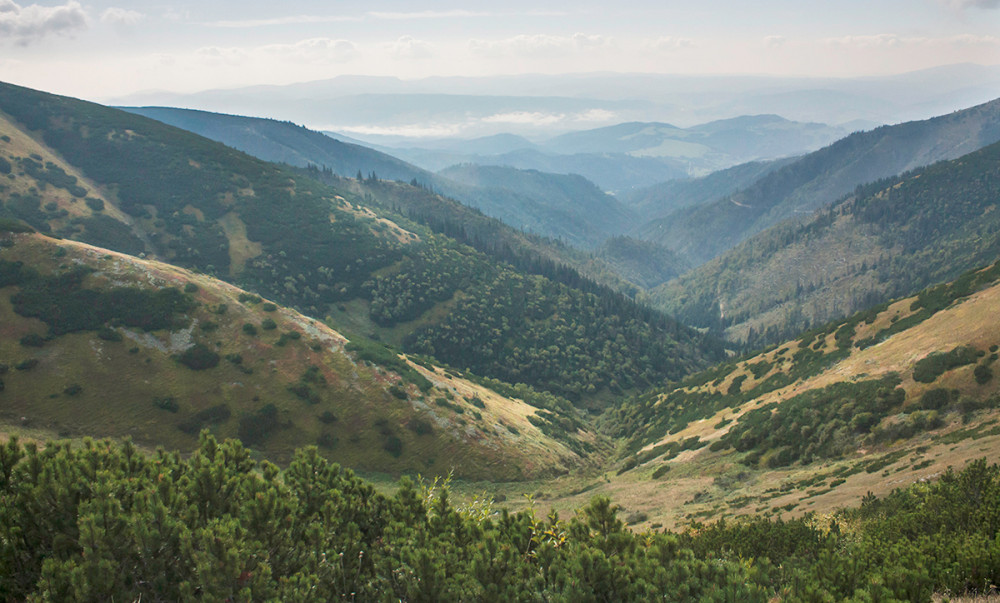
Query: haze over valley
312	302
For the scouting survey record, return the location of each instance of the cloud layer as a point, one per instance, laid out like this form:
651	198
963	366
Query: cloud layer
30	23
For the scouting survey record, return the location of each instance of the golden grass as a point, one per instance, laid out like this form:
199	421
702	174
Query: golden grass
120	381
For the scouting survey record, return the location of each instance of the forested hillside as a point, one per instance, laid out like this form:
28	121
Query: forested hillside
890	238
221	526
199	204
98	343
892	395
567	207
820	178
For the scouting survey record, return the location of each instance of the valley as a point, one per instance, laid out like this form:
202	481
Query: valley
542	386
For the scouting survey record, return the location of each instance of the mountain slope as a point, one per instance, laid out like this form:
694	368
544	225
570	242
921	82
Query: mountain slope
284	142
663	198
891	396
519	201
99	343
820	178
327	253
569	208
702	148
888	239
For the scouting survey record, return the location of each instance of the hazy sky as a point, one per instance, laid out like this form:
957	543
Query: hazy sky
105	48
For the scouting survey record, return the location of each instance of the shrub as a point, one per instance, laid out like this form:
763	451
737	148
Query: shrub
27	365
198	358
190	288
249	329
637	517
254	428
327	441
213	414
94	204
420	427
935	399
983	374
661	471
168	404
268	325
393	445
108	334
475	401
304	392
32	340
72	389
269	307
928	369
398	392
328	417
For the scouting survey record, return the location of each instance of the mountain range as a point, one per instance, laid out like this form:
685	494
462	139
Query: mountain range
799	188
163	290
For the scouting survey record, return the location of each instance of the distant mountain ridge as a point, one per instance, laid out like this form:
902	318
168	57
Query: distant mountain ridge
142	186
890	238
539	202
819	178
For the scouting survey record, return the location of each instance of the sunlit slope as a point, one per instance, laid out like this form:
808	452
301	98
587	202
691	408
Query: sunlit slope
98	343
332	253
891	396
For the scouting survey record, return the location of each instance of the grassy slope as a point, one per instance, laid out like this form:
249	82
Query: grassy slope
701	484
890	239
820	178
200	204
120	381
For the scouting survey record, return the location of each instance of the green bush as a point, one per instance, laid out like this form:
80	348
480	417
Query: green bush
168	404
249	329
929	368
393	445
268	324
198	358
983	374
32	340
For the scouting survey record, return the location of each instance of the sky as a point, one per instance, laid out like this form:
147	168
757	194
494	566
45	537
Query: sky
104	49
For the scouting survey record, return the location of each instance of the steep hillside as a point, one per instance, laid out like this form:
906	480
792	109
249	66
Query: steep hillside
662	199
641	262
284	142
538	202
615	172
277	231
706	147
888	239
566	207
892	396
99	343
820	178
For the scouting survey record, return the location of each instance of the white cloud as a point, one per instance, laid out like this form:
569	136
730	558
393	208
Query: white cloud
538	45
596	115
672	43
217	55
534	118
893	41
315	50
430	14
31	23
290	20
312	50
121	17
410	131
873	41
774	41
408	47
